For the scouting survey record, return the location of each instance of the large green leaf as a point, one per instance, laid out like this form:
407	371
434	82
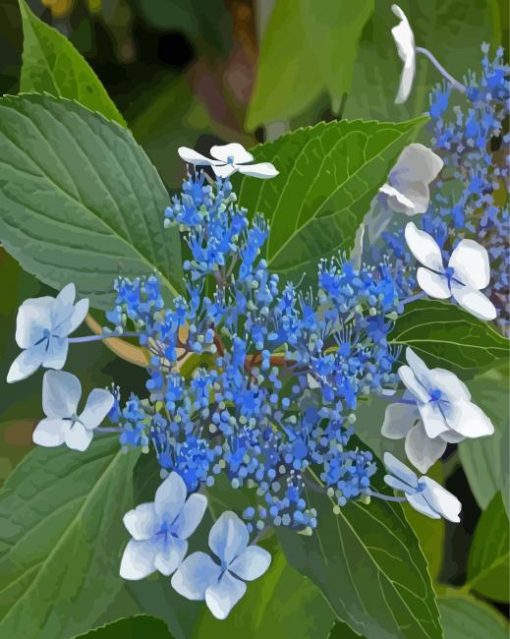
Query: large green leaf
446	336
60	539
489	557
333	29
485	460
130	628
465	617
79	200
369	566
52	65
329	174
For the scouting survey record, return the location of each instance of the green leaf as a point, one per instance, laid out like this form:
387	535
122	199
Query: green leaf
52	65
446	336
130	628
79	200
290	92
369	566
60	539
464	616
484	459
333	29
329	174
489	557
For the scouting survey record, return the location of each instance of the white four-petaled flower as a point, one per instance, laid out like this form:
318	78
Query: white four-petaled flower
467	273
227	159
222	584
404	39
425	495
407	189
436	410
160	530
42	328
61	394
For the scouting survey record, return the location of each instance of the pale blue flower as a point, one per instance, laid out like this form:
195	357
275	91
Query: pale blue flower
436	410
159	530
425	495
42	328
61	394
228	159
221	583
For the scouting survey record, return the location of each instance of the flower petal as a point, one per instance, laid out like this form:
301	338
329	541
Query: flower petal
433	284
397	201
441	500
193	157
68	294
424	248
406	80
398	420
400	470
419	503
190	516
433	420
61	393
27	362
404	39
138	559
170	497
233	150
56	353
422	451
412	383
79	313
228	536
262	170
98	405
396	484
224	171
196	573
420	369
470	263
221	597
449	384
469	420
49	432
251	563
170	555
474	302
77	437
142	522
33	319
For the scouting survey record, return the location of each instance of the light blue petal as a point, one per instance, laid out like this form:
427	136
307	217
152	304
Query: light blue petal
68	294
49	433
61	393
251	563
196	573
170	497
81	309
190	516
77	436
98	405
56	353
228	537
396	484
26	363
34	318
141	522
171	555
400	470
138	559
222	596
419	503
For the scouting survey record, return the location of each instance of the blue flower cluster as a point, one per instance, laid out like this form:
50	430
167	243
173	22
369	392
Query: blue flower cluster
248	376
470	197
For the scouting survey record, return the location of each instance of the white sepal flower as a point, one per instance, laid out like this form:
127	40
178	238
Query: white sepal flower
61	393
42	328
228	159
468	272
404	39
160	530
436	409
222	584
407	190
425	495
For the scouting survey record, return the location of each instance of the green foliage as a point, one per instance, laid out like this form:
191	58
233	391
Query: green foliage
489	557
80	201
130	628
61	535
329	173
446	336
52	65
465	617
485	459
369	566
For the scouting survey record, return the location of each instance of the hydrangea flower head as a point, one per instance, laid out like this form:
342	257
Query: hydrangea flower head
60	397
42	328
221	582
160	530
425	495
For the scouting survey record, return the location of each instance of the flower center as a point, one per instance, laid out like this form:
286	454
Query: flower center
435	395
230	159
449	273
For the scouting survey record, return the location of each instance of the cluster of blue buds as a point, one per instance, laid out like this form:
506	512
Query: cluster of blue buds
248	376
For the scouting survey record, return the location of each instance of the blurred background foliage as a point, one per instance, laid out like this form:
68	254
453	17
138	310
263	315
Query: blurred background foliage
197	72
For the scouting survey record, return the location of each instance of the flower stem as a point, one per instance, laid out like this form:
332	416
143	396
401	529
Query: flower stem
455	83
374	493
97	338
